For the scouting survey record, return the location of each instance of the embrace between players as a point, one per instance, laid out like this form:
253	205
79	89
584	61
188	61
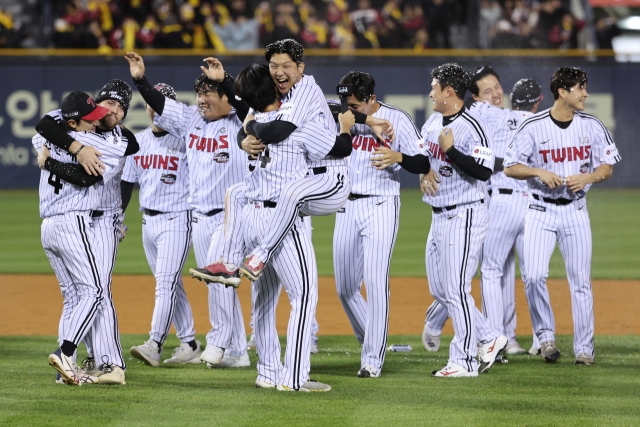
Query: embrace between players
262	154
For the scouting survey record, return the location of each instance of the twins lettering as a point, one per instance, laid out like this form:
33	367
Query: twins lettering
155	161
368	143
568	154
208	145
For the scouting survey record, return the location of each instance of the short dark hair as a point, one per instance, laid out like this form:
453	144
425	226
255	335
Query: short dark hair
288	46
255	86
566	78
363	84
480	73
452	75
204	80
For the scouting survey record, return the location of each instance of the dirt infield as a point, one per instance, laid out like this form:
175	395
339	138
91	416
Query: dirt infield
31	305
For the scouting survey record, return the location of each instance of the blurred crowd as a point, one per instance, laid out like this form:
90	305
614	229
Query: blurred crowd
346	24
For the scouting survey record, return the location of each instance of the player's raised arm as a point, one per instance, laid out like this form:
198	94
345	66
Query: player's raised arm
151	95
215	71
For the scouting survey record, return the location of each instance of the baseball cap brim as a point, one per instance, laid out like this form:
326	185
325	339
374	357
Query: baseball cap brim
96	114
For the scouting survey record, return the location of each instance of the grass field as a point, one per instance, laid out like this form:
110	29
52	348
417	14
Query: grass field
616	233
524	392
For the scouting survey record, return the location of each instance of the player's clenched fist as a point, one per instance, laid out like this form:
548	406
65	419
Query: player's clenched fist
214	69
252	145
136	65
347	121
445	140
43	154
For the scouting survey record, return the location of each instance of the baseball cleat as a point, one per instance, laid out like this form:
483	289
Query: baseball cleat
218	272
251	344
549	351
488	352
308	387
184	354
149	352
111	374
66	367
264	384
368	371
583	359
313	348
212	354
89	367
431	342
453	370
252	268
232	362
534	351
513	348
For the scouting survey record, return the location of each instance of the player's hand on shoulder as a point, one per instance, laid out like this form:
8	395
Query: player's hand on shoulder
445	139
136	65
89	160
383	129
252	145
347	121
43	154
384	157
429	183
549	178
214	69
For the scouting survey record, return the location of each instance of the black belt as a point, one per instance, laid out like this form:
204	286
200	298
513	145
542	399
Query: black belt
213	212
503	191
151	212
560	202
319	170
452	207
96	214
358	196
266	203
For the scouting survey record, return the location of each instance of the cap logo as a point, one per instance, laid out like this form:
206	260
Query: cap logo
90	102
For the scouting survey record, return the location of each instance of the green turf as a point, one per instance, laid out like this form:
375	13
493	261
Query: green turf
526	391
616	233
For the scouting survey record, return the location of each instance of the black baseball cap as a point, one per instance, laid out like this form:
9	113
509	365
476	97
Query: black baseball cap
525	92
78	105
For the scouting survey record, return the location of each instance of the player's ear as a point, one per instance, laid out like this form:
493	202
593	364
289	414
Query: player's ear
372	99
301	67
72	123
475	97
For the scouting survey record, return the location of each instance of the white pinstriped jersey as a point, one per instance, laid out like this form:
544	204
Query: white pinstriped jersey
287	160
470	137
161	169
503	122
69	197
305	101
580	148
366	179
215	160
111	198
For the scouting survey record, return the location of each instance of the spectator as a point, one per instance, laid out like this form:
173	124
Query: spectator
565	34
391	35
315	33
606	30
490	13
364	16
242	32
439	17
420	41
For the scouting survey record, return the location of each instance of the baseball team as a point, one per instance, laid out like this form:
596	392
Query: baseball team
239	174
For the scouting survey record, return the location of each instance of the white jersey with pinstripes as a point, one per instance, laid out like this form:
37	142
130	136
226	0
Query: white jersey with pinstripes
72	198
161	169
215	160
366	179
287	160
504	123
305	101
470	137
580	148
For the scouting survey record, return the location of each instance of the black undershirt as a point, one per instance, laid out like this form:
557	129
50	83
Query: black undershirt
561	125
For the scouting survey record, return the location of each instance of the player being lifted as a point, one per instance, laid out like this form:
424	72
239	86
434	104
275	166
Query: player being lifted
458	147
561	152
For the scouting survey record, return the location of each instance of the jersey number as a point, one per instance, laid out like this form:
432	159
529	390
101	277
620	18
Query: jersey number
54	181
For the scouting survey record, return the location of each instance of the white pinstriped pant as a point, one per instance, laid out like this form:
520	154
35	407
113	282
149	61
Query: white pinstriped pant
166	239
363	242
293	266
453	250
225	314
569	226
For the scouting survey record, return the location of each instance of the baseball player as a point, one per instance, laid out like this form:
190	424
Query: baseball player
561	152
293	264
68	231
209	131
161	169
103	342
366	229
458	147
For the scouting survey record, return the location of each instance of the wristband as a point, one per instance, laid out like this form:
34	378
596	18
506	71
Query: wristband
77	152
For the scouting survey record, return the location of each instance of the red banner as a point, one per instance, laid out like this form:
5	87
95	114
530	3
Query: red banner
608	3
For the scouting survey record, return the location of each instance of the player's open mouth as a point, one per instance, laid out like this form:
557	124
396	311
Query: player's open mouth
204	108
282	83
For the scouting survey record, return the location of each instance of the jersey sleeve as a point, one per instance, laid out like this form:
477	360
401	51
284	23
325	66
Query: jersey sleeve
318	140
520	148
603	150
130	173
476	143
37	141
409	137
175	117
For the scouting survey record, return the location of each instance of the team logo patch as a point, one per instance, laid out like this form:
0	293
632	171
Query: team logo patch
480	152
584	168
221	157
446	171
168	178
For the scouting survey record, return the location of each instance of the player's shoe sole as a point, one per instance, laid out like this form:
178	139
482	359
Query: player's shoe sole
222	278
252	272
64	368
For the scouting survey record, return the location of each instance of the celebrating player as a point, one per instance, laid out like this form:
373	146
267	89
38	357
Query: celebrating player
366	228
161	170
458	146
561	152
